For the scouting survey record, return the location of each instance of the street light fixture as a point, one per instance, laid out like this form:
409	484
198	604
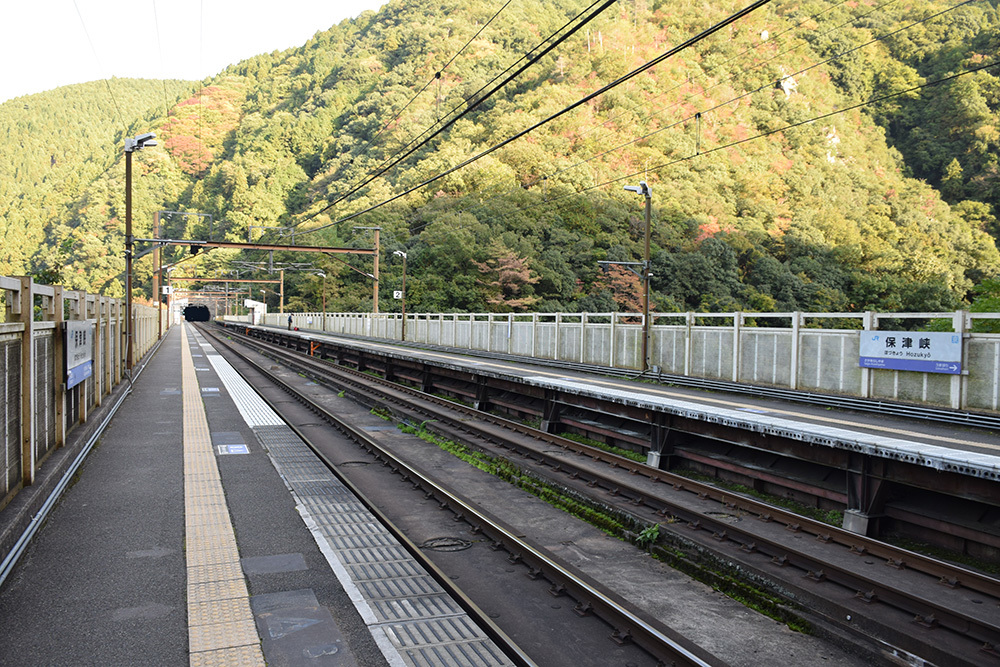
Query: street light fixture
402	254
131	145
323	318
643	189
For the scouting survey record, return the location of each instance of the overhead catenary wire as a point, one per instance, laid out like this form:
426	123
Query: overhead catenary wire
733	100
107	83
555	201
159	48
600	91
436	77
472	104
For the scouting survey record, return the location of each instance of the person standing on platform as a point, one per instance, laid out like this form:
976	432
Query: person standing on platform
289	322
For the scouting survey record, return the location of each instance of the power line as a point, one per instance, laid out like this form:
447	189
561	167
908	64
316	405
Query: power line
159	48
738	97
790	126
600	91
437	77
99	65
470	106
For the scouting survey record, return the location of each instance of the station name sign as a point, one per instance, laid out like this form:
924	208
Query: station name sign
79	351
922	351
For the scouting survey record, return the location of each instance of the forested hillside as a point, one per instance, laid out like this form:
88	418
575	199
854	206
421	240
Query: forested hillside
777	183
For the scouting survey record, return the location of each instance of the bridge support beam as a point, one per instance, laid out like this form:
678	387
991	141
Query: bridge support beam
550	413
865	494
660	442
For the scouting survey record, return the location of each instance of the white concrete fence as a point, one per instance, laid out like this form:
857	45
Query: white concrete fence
796	353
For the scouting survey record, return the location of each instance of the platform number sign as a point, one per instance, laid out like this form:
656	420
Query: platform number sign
397	294
922	351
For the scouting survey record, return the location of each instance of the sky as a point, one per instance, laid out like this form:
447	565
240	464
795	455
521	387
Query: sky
45	44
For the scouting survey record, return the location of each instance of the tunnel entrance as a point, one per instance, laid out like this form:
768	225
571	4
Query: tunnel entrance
197	313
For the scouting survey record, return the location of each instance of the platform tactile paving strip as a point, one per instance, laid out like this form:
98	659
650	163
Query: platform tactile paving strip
221	628
398	599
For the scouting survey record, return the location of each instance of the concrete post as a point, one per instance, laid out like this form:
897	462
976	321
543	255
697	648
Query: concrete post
59	365
793	375
558	321
26	315
868	323
534	333
737	323
614	343
959	323
688	343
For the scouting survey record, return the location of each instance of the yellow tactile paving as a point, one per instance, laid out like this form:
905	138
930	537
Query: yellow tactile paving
229	634
221	628
240	656
200	574
216	590
215	611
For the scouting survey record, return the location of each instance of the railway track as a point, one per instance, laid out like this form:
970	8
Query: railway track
629	626
890	600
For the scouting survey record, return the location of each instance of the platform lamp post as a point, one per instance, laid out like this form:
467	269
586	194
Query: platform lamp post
643	189
402	254
131	145
323	318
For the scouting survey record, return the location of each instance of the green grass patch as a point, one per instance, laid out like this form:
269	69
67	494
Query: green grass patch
604	447
621	526
831	517
989	567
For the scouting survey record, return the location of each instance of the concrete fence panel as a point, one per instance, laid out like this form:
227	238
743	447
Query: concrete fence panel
804	355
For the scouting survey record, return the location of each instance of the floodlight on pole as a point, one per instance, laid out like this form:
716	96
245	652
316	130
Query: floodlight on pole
643	189
131	145
323	319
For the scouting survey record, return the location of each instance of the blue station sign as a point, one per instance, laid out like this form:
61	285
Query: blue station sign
79	351
78	374
922	351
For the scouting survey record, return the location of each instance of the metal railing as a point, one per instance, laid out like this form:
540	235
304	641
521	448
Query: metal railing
39	403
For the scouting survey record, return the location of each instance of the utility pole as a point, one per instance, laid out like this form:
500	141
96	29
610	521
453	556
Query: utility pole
375	270
131	145
643	189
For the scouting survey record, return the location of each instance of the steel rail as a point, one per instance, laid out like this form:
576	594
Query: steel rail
629	626
866	587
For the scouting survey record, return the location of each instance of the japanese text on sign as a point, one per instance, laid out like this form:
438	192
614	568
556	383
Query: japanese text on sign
924	351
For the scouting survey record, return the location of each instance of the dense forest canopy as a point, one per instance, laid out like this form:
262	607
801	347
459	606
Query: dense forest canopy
799	159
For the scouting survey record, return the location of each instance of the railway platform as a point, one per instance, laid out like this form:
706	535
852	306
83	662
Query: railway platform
895	472
201	531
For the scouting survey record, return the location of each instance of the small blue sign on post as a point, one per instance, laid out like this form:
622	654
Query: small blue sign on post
922	351
79	373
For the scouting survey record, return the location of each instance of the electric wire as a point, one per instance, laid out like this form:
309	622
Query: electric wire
436	77
557	201
761	135
93	50
666	108
722	104
600	91
469	107
159	48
